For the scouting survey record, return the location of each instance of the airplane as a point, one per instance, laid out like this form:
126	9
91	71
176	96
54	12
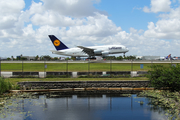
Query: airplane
169	57
81	51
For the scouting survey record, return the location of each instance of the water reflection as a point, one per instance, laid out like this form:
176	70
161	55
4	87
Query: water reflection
73	106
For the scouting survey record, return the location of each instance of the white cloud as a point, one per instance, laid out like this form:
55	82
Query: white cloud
146	9
73	8
132	30
10	11
99	26
174	14
36	8
158	6
26	32
168	27
137	8
11	7
54	19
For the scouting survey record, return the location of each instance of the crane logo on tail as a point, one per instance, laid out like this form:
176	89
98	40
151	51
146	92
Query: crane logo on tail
57	43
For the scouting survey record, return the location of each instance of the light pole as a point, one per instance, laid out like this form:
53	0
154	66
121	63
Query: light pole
22	67
0	67
45	66
131	65
151	64
132	73
110	66
88	68
67	68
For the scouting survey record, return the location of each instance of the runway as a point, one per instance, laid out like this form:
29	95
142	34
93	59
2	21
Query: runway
96	61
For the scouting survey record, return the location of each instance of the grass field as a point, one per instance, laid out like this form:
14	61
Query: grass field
78	67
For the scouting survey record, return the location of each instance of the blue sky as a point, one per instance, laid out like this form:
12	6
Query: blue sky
126	13
146	27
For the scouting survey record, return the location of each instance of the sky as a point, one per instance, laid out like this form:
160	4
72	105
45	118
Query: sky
146	27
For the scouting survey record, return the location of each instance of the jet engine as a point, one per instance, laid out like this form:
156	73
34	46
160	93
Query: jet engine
97	52
105	53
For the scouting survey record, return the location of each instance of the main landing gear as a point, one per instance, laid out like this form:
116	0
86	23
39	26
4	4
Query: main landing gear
124	55
91	58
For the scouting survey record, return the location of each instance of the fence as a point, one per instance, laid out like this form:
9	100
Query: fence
66	68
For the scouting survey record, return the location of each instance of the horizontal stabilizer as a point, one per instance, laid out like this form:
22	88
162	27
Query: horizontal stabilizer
56	52
53	50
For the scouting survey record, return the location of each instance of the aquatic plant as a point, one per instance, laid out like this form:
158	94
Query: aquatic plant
166	100
9	106
5	85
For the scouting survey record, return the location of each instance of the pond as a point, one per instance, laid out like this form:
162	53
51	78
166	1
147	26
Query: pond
79	106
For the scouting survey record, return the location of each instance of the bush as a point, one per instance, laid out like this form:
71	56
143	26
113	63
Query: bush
24	76
168	77
58	76
104	76
4	85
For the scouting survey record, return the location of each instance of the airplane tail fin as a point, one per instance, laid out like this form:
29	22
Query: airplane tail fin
57	43
169	56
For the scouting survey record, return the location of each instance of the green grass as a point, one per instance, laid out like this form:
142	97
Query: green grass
78	67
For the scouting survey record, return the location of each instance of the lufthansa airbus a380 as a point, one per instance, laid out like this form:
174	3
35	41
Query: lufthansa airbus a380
81	51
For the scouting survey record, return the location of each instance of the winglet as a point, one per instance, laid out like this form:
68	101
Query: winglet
57	43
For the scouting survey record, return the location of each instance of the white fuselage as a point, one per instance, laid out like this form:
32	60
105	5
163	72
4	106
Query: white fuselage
97	50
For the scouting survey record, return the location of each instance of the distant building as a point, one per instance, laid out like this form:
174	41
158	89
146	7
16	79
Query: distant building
29	57
139	57
3	58
150	57
26	57
62	58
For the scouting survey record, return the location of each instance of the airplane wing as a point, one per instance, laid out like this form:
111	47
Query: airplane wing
88	51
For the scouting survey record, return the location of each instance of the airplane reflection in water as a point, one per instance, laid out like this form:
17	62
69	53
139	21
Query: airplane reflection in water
88	105
81	51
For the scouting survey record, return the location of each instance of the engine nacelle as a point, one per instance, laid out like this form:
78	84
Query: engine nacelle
97	52
105	53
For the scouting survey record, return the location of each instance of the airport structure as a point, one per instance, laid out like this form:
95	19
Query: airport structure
29	57
150	57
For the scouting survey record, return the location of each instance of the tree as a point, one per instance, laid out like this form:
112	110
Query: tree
67	58
46	57
110	57
55	58
8	58
73	57
130	57
23	58
37	57
119	58
12	57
